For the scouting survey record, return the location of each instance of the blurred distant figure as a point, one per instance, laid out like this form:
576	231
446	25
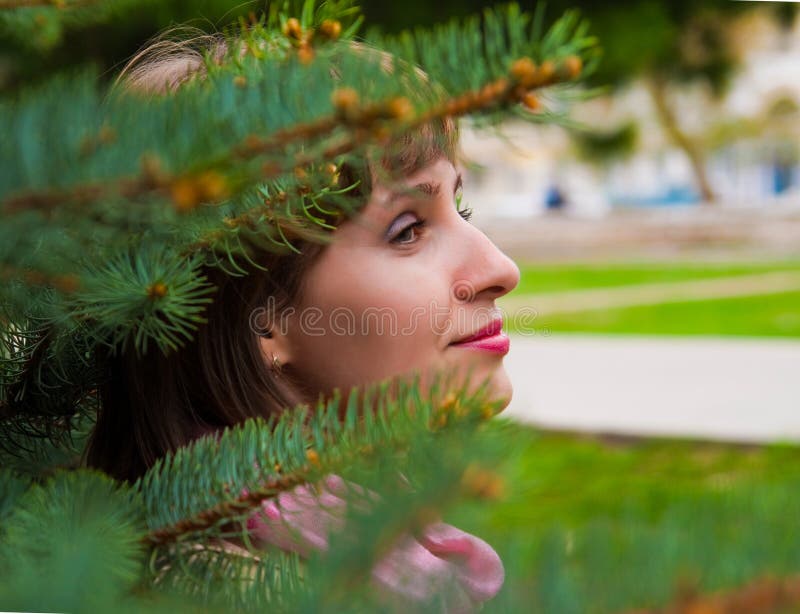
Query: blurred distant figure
554	198
781	175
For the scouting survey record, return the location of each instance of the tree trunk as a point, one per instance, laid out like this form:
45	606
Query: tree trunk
658	91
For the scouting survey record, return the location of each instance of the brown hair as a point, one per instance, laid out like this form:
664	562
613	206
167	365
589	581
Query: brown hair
154	404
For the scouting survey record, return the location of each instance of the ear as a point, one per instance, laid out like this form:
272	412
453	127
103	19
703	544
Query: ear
275	345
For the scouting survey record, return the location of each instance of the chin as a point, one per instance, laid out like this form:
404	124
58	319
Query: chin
501	388
504	402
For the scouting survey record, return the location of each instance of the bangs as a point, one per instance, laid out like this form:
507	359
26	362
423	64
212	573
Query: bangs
401	156
414	150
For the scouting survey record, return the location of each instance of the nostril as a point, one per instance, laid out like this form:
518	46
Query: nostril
463	291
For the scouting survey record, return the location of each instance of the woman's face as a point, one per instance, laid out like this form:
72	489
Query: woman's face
407	287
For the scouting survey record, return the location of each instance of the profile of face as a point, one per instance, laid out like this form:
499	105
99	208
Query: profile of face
408	287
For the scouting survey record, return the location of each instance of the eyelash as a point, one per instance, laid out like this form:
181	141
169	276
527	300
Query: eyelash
466	215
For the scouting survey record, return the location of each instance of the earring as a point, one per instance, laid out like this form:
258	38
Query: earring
276	364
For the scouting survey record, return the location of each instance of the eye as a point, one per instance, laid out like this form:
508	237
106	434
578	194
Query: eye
405	229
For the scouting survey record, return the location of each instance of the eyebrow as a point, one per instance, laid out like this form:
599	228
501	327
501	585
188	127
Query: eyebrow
427	188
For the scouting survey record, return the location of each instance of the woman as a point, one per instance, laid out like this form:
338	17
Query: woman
407	286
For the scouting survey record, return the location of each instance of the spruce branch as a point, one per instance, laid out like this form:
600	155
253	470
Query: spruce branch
258	459
432	432
12	487
360	123
85	525
148	296
373	123
224	577
48	386
226	511
277	213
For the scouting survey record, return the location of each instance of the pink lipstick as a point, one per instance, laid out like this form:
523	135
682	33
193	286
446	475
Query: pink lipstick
491	338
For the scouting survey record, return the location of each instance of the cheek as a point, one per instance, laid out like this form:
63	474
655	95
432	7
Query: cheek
375	321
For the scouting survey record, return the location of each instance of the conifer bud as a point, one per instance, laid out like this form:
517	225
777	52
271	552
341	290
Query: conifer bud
156	290
188	192
546	72
305	53
313	457
184	194
523	71
345	101
292	29
333	173
212	186
449	402
330	29
399	108
531	102
572	67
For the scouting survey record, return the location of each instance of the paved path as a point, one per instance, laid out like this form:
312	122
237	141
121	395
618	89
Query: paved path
731	389
655	293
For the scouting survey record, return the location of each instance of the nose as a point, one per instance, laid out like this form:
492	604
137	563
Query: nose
485	273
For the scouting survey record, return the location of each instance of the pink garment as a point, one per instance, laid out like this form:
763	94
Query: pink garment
444	562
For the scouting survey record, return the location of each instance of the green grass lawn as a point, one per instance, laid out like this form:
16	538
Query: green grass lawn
595	515
569	479
773	315
588	525
541	278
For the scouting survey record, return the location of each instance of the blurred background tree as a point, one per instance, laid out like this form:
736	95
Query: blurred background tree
43	45
663	43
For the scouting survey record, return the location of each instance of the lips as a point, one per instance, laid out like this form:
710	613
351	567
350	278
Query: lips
490	338
490	330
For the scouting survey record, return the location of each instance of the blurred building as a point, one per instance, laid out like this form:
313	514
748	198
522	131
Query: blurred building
750	137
